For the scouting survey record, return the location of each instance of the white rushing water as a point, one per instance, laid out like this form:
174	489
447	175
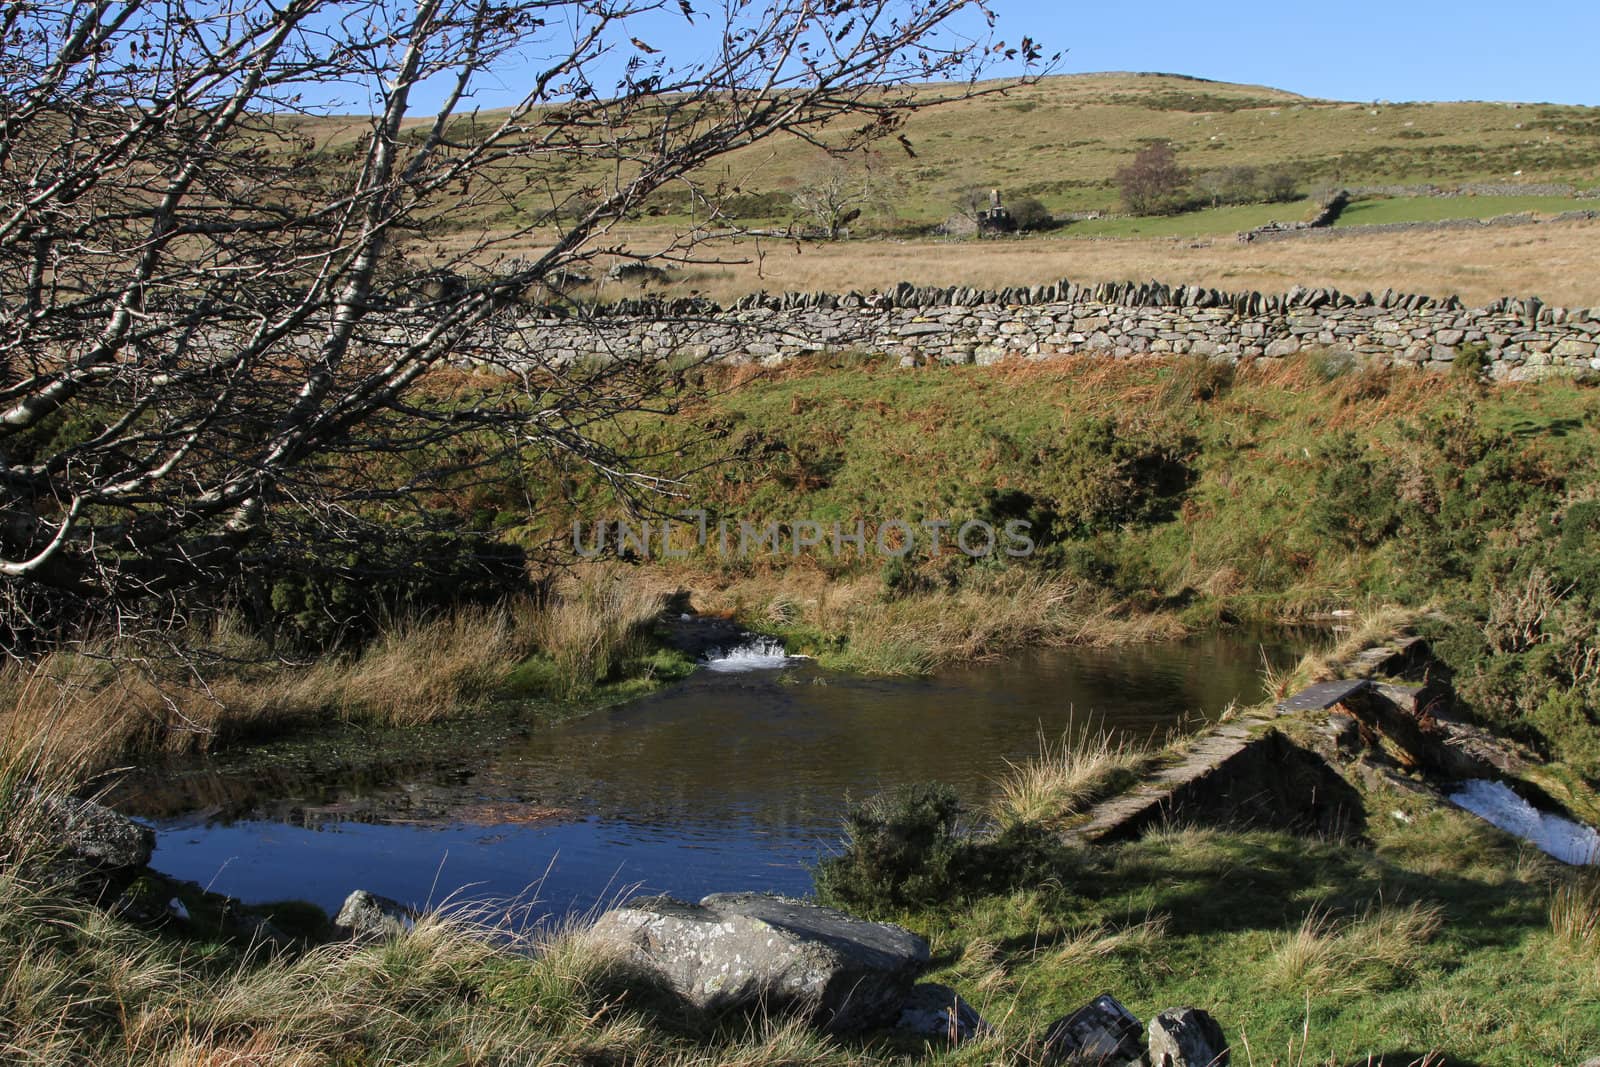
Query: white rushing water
756	654
1495	803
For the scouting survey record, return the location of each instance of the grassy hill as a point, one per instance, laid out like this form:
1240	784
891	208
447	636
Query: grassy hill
1063	138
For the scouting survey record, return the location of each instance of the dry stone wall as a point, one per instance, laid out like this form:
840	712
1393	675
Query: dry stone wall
1521	339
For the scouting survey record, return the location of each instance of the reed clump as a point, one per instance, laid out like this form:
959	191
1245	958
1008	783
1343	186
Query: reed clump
1067	777
110	700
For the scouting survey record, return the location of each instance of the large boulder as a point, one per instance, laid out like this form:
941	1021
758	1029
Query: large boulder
746	950
1102	1033
91	835
1187	1037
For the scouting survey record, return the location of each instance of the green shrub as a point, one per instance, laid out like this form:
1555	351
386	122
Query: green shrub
317	596
901	848
1029	213
1356	500
1109	474
1472	361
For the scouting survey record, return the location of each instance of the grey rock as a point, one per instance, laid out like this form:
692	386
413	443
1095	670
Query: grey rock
1102	1033
87	849
752	950
938	1013
368	917
92	834
635	272
1187	1037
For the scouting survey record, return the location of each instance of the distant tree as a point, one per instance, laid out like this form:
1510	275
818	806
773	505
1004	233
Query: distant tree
973	201
1229	185
1029	213
840	191
1154	183
1278	185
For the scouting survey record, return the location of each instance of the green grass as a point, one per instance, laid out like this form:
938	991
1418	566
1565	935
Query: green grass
1435	209
1063	139
1165	496
1210	222
1309	951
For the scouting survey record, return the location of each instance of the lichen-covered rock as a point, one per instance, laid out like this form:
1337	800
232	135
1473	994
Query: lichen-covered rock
90	835
368	917
938	1013
1102	1033
1187	1037
75	846
751	950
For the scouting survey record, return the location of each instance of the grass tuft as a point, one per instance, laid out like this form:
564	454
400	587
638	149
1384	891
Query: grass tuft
1066	778
1575	914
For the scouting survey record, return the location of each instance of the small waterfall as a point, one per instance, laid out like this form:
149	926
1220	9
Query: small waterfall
1495	803
756	654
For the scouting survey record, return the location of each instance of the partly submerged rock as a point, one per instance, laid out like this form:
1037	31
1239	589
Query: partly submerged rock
90	835
368	917
1187	1037
1102	1033
938	1013
73	845
746	950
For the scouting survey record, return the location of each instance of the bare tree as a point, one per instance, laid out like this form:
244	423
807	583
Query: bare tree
221	307
1154	183
836	194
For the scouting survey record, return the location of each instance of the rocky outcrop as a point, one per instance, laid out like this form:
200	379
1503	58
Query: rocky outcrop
746	950
78	844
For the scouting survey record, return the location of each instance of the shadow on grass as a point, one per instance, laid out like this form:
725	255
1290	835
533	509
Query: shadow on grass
1411	1059
1213	882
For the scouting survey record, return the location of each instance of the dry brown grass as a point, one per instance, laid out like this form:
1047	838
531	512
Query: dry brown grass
1555	262
1066	777
1575	913
1332	954
92	709
98	706
919	632
596	621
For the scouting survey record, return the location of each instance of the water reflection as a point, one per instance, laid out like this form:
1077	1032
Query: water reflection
729	781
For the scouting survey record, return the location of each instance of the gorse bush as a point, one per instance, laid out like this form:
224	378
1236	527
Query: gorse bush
1108	473
901	848
317	596
1356	500
906	848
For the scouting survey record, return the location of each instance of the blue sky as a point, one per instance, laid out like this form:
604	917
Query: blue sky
1365	50
1535	50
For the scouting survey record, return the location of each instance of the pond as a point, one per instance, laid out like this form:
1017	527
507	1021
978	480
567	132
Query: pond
732	780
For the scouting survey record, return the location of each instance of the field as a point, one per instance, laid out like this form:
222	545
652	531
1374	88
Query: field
1062	141
1434	209
1555	262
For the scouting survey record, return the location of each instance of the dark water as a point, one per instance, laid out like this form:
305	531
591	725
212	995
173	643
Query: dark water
729	781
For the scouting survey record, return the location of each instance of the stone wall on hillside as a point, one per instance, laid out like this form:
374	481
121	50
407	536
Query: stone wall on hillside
1523	218
1522	339
1465	189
